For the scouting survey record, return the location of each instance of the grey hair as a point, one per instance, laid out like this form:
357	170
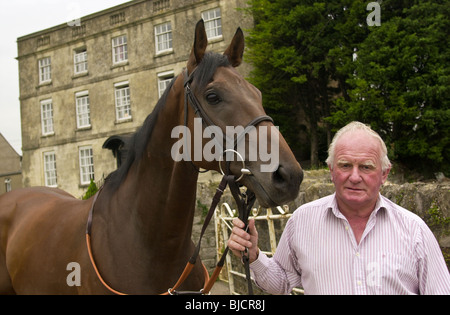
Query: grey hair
358	126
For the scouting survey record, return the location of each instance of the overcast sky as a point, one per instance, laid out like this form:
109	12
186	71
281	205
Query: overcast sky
23	17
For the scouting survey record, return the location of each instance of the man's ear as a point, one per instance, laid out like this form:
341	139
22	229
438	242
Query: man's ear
385	174
331	173
199	48
235	51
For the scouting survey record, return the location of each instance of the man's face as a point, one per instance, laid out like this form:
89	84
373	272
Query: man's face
357	173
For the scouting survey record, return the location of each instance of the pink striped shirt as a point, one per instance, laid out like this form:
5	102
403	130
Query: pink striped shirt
397	254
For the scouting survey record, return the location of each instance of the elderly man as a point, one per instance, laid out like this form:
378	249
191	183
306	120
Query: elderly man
354	241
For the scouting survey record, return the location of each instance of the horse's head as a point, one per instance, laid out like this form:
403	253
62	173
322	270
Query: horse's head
231	106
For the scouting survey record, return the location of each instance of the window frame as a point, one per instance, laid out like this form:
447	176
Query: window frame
120	106
8	186
80	62
47	123
50	174
164	78
163	38
87	170
45	70
119	46
214	30
83	109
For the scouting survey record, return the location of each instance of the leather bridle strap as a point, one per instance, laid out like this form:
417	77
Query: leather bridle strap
198	110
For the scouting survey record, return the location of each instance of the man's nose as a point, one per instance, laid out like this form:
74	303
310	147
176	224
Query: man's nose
355	176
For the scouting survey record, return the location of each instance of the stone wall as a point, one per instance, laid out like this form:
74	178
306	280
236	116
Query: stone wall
431	201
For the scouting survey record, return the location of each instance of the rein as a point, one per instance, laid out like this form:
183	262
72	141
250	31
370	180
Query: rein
244	202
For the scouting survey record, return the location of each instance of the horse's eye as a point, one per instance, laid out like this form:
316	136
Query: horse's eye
213	99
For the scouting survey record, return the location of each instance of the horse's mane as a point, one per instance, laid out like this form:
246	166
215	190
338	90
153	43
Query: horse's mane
138	142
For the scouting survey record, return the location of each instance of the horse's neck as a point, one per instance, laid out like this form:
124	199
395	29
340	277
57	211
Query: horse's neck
149	218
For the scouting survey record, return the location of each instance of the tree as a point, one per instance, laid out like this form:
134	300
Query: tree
91	191
290	49
320	65
400	84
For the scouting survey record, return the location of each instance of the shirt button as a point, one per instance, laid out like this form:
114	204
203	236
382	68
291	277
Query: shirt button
357	254
346	227
359	282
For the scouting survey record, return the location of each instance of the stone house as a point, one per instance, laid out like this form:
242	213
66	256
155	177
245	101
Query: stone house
87	80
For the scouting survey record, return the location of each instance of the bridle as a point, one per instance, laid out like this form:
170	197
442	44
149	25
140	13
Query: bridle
244	201
190	98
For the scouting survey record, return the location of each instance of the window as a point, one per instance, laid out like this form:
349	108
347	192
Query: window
45	70
80	61
7	185
50	169
86	165
83	109
213	23
120	50
163	37
47	117
123	101
164	80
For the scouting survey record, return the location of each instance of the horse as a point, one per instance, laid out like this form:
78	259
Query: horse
141	220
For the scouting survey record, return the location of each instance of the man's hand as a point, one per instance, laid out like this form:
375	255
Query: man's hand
240	239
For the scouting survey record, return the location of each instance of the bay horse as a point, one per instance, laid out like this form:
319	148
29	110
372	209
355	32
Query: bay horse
142	219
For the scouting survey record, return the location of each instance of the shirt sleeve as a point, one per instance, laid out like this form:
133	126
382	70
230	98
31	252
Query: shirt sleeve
280	274
434	276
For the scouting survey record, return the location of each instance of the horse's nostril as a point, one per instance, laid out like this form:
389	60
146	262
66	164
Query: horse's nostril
287	179
280	176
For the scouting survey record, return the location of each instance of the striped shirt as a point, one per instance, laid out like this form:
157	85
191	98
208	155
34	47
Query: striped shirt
397	254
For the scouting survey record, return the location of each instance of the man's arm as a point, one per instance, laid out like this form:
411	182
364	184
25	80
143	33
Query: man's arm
277	275
434	277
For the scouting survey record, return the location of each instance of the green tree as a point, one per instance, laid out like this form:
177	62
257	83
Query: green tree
400	83
91	191
293	50
320	66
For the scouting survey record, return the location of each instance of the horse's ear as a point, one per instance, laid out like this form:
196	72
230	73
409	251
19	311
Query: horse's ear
199	48
235	51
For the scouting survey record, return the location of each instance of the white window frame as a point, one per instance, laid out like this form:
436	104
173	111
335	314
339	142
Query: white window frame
213	23
163	38
83	109
119	49
8	185
50	174
47	117
164	79
80	61
45	70
86	159
122	97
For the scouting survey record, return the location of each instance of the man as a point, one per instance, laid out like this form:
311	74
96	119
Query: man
354	241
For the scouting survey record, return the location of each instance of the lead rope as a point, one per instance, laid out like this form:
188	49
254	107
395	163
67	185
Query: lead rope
244	203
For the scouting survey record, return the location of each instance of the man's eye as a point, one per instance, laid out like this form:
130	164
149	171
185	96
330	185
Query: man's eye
367	167
213	99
